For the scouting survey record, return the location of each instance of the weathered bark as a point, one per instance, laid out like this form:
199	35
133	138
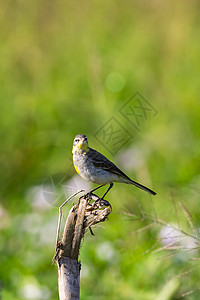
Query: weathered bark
69	278
81	216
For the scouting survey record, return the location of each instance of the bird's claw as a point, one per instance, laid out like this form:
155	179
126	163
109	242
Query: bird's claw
103	202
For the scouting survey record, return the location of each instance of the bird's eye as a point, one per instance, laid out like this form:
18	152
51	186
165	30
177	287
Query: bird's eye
76	140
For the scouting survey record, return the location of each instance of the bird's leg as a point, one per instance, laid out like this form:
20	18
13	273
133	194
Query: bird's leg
106	203
90	192
110	187
96	188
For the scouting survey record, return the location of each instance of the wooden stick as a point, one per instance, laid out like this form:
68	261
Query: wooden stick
60	215
81	217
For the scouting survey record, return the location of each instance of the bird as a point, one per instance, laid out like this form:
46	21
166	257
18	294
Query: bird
94	167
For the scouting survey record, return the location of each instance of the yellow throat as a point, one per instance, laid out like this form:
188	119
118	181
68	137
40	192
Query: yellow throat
80	148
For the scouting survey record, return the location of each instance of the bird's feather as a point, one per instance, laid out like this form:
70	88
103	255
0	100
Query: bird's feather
100	161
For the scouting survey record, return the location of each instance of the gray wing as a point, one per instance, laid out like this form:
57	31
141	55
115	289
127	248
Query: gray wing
100	161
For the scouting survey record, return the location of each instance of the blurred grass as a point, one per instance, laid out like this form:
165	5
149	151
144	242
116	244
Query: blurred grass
55	59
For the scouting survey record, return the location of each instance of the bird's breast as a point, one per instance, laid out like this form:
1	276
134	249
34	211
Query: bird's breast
89	172
77	169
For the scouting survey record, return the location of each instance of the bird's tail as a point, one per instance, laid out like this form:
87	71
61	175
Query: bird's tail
142	187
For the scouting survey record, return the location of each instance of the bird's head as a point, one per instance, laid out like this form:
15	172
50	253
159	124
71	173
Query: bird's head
80	143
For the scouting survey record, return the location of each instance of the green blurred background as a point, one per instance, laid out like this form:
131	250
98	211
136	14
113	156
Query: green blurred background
67	68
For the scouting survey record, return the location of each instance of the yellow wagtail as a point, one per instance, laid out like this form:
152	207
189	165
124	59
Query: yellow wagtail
95	167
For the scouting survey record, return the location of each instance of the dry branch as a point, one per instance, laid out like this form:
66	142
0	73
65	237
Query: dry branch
81	217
